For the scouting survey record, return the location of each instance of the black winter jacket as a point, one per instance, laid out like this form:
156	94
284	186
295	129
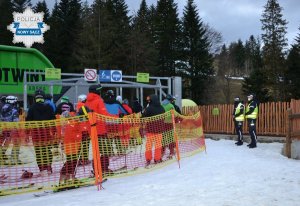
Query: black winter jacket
154	108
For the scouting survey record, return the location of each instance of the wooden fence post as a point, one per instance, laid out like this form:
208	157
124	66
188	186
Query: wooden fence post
288	134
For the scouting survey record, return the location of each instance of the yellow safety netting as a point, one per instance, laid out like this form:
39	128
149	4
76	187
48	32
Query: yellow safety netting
82	150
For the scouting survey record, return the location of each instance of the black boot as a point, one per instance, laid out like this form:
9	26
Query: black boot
252	146
239	143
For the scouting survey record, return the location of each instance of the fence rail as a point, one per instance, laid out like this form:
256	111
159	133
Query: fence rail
271	119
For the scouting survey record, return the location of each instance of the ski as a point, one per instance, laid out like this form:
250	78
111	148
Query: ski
58	189
120	156
124	170
6	191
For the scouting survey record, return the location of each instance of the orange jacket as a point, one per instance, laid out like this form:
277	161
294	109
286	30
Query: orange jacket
72	138
95	103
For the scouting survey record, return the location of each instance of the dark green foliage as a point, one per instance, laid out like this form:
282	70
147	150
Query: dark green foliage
41	6
20	5
293	72
6	10
253	55
63	35
275	42
143	53
198	62
256	83
166	31
114	35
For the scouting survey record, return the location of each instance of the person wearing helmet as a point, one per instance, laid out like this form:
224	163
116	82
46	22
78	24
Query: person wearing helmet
238	118
251	116
42	137
96	104
48	100
177	109
65	105
82	109
112	105
168	140
2	101
9	113
81	101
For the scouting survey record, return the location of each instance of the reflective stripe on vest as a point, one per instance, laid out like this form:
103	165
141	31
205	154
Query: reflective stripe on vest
253	115
237	110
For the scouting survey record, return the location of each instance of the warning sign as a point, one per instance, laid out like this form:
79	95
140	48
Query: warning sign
90	75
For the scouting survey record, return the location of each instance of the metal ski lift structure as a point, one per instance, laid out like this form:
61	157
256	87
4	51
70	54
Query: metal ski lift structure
77	84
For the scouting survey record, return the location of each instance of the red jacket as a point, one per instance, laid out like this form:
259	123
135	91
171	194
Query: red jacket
127	108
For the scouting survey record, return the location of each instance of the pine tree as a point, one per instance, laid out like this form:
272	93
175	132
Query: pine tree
85	54
293	72
237	58
20	5
64	34
143	53
6	10
253	55
167	36
112	36
41	6
275	42
256	83
199	69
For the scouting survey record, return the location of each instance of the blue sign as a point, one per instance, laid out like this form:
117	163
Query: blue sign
116	75
104	76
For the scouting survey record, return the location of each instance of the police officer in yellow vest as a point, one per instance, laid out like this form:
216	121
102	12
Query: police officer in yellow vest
238	118
251	116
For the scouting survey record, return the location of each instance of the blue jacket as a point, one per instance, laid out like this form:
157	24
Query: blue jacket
47	101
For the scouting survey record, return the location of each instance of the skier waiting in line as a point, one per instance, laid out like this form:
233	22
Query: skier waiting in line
65	105
95	103
154	129
168	134
9	113
115	130
42	137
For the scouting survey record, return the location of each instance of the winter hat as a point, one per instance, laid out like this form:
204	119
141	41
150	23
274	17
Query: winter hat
39	96
65	99
119	99
96	89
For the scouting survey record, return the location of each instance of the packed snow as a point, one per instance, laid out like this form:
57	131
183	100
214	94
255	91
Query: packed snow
225	174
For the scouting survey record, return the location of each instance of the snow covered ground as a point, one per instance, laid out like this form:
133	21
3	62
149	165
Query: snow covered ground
226	175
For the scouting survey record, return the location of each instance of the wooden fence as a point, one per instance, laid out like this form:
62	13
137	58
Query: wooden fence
292	126
271	120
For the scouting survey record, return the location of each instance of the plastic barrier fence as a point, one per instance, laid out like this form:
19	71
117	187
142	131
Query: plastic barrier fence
82	150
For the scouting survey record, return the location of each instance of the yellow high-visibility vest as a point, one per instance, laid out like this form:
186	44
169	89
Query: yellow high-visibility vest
237	110
254	114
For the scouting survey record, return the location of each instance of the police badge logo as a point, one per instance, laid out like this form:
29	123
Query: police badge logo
28	27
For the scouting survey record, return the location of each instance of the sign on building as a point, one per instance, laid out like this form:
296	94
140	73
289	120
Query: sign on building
90	75
110	75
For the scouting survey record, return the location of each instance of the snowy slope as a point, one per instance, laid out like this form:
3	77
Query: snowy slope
226	175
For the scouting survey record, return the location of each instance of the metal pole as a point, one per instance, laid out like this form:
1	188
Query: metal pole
25	93
141	97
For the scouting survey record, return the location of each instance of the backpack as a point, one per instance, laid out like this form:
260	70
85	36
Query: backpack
7	113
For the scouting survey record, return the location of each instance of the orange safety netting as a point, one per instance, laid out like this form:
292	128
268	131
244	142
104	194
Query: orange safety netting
81	150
